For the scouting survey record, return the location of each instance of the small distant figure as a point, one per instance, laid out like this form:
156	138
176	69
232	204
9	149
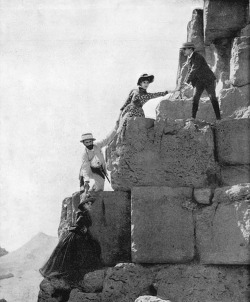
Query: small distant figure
201	77
93	163
77	252
136	99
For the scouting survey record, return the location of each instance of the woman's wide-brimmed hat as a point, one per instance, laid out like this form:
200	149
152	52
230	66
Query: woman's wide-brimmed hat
188	45
145	76
84	198
87	136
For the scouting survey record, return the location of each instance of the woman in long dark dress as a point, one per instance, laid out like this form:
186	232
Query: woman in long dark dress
136	99
77	252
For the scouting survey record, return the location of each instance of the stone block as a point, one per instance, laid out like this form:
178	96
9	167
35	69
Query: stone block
127	281
233	175
93	281
162	228
197	283
233	141
77	296
111	226
223	19
195	30
203	196
223	229
182	156
233	100
240	62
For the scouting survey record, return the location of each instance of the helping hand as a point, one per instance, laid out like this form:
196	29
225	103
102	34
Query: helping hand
86	186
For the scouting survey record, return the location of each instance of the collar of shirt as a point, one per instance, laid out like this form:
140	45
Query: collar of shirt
189	57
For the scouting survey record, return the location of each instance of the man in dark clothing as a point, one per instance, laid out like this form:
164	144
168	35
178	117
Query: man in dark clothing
201	77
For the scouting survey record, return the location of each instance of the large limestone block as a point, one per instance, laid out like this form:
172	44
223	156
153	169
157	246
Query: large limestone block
77	296
151	299
111	226
195	30
110	223
197	283
162	227
182	109
240	62
126	282
233	141
233	100
233	175
172	153
223	19
223	229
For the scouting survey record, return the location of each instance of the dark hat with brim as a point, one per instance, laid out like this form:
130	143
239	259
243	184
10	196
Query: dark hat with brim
147	77
188	45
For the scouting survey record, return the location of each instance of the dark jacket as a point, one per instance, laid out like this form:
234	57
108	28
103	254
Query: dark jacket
198	71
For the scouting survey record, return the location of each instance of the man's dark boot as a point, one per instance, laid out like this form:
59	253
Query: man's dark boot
216	109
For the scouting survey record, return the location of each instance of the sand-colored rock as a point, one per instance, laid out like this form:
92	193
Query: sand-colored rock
223	19
203	196
234	99
93	281
232	141
162	228
151	299
195	30
197	283
223	229
77	296
172	153
127	281
233	175
240	61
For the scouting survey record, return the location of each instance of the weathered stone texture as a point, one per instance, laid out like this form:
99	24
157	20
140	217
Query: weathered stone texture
234	99
240	58
150	299
196	283
195	30
203	196
162	228
111	226
182	109
172	153
53	290
126	282
223	19
111	223
93	281
232	141
77	296
233	175
223	229
222	58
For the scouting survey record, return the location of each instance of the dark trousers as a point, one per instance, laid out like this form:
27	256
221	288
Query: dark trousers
198	89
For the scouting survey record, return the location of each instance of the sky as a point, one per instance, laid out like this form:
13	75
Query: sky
66	68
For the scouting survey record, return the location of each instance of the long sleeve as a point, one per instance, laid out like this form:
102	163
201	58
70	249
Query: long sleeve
148	96
129	99
85	167
108	139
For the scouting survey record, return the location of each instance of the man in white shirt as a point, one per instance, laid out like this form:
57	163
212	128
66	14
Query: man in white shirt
93	163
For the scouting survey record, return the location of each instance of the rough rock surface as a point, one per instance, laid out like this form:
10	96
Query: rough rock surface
222	58
162	227
195	30
223	19
223	229
234	99
126	282
196	283
151	299
111	223
240	62
77	296
232	141
175	153
93	281
54	290
203	196
182	109
233	175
